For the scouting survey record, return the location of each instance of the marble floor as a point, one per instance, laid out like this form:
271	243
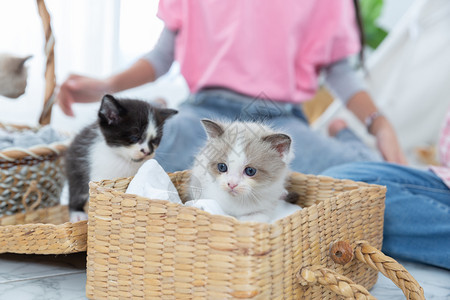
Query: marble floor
63	277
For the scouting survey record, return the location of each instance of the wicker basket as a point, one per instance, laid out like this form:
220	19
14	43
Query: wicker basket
42	231
19	168
32	178
143	248
41	164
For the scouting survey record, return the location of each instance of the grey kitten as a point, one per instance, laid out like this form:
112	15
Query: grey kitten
244	167
13	75
125	135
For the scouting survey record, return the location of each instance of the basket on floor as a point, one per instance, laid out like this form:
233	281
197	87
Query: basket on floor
31	219
33	178
42	231
41	164
140	247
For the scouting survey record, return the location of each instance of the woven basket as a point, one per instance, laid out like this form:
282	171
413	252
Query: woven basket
31	178
143	248
42	164
42	231
20	168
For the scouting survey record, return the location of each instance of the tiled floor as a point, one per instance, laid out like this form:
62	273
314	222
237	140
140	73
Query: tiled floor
41	277
26	277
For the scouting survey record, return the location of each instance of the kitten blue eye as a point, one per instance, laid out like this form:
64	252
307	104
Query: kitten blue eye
222	167
250	171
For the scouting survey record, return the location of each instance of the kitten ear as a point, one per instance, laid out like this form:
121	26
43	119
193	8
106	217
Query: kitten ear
280	142
21	63
212	128
164	113
110	110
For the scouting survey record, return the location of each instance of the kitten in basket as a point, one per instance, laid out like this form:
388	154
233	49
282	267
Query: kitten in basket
244	168
125	135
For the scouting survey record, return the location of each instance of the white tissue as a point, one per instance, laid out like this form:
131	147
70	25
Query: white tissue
284	209
208	205
152	181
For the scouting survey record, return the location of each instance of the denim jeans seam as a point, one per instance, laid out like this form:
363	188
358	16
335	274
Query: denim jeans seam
426	188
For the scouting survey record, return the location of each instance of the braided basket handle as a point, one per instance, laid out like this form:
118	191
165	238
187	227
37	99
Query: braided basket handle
339	284
369	255
390	268
49	48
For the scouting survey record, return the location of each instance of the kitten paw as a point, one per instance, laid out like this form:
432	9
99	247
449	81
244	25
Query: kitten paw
77	216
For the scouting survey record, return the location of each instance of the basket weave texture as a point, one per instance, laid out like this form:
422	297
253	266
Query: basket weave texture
43	231
140	247
19	167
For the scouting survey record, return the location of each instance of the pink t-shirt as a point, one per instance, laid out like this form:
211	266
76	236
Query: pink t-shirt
444	152
260	46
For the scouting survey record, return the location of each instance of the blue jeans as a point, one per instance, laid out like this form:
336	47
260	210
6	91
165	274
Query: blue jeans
417	215
184	135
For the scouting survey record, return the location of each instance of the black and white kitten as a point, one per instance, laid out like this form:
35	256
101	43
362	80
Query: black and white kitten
125	135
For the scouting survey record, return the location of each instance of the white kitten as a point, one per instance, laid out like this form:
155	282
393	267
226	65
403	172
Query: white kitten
13	75
244	167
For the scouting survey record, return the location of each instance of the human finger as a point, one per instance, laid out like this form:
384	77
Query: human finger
65	101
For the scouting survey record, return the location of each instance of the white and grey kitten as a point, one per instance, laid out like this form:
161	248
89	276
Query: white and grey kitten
125	135
13	75
244	167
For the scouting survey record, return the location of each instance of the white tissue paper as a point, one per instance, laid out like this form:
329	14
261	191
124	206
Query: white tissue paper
208	205
152	181
284	209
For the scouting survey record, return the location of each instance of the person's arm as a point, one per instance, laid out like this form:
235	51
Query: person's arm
147	69
141	72
362	106
348	86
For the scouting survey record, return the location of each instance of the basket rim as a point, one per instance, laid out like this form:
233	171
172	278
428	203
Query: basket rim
47	226
100	186
38	152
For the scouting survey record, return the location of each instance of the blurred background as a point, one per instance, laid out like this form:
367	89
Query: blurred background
404	59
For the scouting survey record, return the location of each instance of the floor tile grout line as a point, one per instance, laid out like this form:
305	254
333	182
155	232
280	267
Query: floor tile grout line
41	277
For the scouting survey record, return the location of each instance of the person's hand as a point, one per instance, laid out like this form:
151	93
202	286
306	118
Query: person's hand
387	142
80	89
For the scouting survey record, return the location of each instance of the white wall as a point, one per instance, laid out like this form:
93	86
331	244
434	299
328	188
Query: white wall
393	10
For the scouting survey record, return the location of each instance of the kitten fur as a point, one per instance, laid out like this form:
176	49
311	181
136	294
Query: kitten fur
239	146
13	75
125	135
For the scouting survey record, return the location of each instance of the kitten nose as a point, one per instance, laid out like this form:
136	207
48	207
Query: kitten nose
232	185
146	152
